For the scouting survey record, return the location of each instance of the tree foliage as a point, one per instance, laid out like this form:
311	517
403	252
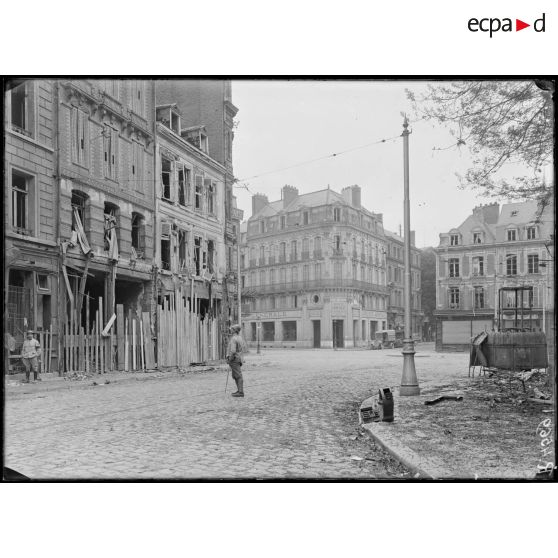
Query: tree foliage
502	123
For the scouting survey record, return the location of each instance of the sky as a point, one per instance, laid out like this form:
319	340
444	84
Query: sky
283	123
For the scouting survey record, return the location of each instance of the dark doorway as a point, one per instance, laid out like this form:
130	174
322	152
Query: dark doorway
317	334
338	337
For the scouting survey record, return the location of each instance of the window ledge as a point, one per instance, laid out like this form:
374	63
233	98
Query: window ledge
30	139
30	238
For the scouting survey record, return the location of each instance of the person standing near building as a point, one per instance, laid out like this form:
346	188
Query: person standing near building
30	353
234	358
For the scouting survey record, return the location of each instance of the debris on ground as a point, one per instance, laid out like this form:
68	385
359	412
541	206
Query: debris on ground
356	458
540	395
444	398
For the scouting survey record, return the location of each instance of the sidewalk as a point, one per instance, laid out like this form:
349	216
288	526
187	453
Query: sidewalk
14	385
491	434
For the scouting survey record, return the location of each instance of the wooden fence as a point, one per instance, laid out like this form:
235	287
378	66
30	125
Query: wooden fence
183	337
126	342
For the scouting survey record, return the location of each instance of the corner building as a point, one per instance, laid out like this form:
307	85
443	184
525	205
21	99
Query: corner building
313	270
494	248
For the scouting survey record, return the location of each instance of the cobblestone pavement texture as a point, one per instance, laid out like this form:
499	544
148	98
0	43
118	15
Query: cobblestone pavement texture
299	419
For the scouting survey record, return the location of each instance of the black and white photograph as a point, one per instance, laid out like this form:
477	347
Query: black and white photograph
272	279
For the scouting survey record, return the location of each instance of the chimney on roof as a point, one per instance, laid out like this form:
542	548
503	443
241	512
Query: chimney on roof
488	213
259	201
288	194
351	194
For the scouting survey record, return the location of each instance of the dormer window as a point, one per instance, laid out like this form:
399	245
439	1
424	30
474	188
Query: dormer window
169	116
477	238
197	136
531	233
511	235
454	239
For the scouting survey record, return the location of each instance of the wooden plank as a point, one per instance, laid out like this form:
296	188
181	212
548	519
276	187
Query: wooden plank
120	335
105	332
100	327
134	359
149	356
141	347
126	344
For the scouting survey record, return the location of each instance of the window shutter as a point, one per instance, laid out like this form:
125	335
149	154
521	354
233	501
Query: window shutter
465	270
489	264
521	265
442	267
165	230
74	133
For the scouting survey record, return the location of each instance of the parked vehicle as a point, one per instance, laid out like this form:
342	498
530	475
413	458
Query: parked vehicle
388	339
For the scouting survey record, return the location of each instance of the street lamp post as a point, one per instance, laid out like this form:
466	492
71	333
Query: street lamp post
409	382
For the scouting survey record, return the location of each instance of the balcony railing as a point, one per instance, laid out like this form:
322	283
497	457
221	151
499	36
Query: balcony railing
305	255
337	252
282	259
271	260
318	254
315	284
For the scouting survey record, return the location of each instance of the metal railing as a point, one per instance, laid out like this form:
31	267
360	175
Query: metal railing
315	284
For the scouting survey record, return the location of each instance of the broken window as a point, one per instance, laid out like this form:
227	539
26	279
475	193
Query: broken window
199	192
166	172
175	122
197	254
210	194
21	108
111	230
182	250
183	185
477	238
22	198
211	256
138	235
165	246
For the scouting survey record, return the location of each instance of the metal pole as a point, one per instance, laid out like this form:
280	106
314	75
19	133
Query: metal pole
259	329
238	276
409	382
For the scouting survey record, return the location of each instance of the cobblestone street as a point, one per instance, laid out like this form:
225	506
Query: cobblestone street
299	419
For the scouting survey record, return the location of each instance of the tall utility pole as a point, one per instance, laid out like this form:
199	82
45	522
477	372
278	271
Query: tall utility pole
409	382
238	276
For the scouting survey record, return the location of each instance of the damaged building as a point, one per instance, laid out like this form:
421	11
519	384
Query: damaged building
106	199
116	208
30	218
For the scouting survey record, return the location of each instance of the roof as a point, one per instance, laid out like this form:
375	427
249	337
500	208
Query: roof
311	199
518	213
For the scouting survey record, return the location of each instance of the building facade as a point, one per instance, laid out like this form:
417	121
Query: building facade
313	270
110	204
395	283
190	247
491	249
207	122
31	224
106	196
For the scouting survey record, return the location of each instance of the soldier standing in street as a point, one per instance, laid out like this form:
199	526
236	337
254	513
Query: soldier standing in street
234	358
30	353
